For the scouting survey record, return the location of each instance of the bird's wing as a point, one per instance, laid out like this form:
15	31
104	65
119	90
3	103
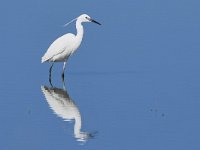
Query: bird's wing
58	46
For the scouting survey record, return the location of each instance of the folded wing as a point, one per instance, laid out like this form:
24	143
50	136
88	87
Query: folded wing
60	45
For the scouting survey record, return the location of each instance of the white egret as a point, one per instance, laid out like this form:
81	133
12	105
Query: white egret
66	45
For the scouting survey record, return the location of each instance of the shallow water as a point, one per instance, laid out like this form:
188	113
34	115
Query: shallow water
112	110
133	84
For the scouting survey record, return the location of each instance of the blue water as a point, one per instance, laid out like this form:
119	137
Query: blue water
133	84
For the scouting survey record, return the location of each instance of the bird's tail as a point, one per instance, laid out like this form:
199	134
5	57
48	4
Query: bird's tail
43	59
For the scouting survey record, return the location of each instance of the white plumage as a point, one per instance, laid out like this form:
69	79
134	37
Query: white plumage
60	48
64	46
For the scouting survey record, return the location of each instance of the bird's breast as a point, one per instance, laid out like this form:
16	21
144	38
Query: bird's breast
76	45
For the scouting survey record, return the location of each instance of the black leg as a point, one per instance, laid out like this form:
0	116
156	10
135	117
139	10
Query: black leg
63	72
50	70
63	77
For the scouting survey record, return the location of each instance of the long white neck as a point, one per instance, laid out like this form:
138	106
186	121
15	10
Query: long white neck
80	31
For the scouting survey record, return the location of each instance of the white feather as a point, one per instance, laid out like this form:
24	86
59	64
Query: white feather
60	49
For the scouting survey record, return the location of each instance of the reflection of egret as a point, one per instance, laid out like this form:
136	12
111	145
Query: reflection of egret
63	106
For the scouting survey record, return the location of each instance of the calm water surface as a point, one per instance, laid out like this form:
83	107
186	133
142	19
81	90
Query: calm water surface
102	110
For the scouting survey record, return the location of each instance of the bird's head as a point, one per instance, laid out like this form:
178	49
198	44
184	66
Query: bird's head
86	18
83	18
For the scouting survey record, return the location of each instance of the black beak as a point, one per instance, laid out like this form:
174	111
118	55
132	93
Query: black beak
92	20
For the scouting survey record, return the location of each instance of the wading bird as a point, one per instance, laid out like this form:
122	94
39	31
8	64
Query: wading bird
66	45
